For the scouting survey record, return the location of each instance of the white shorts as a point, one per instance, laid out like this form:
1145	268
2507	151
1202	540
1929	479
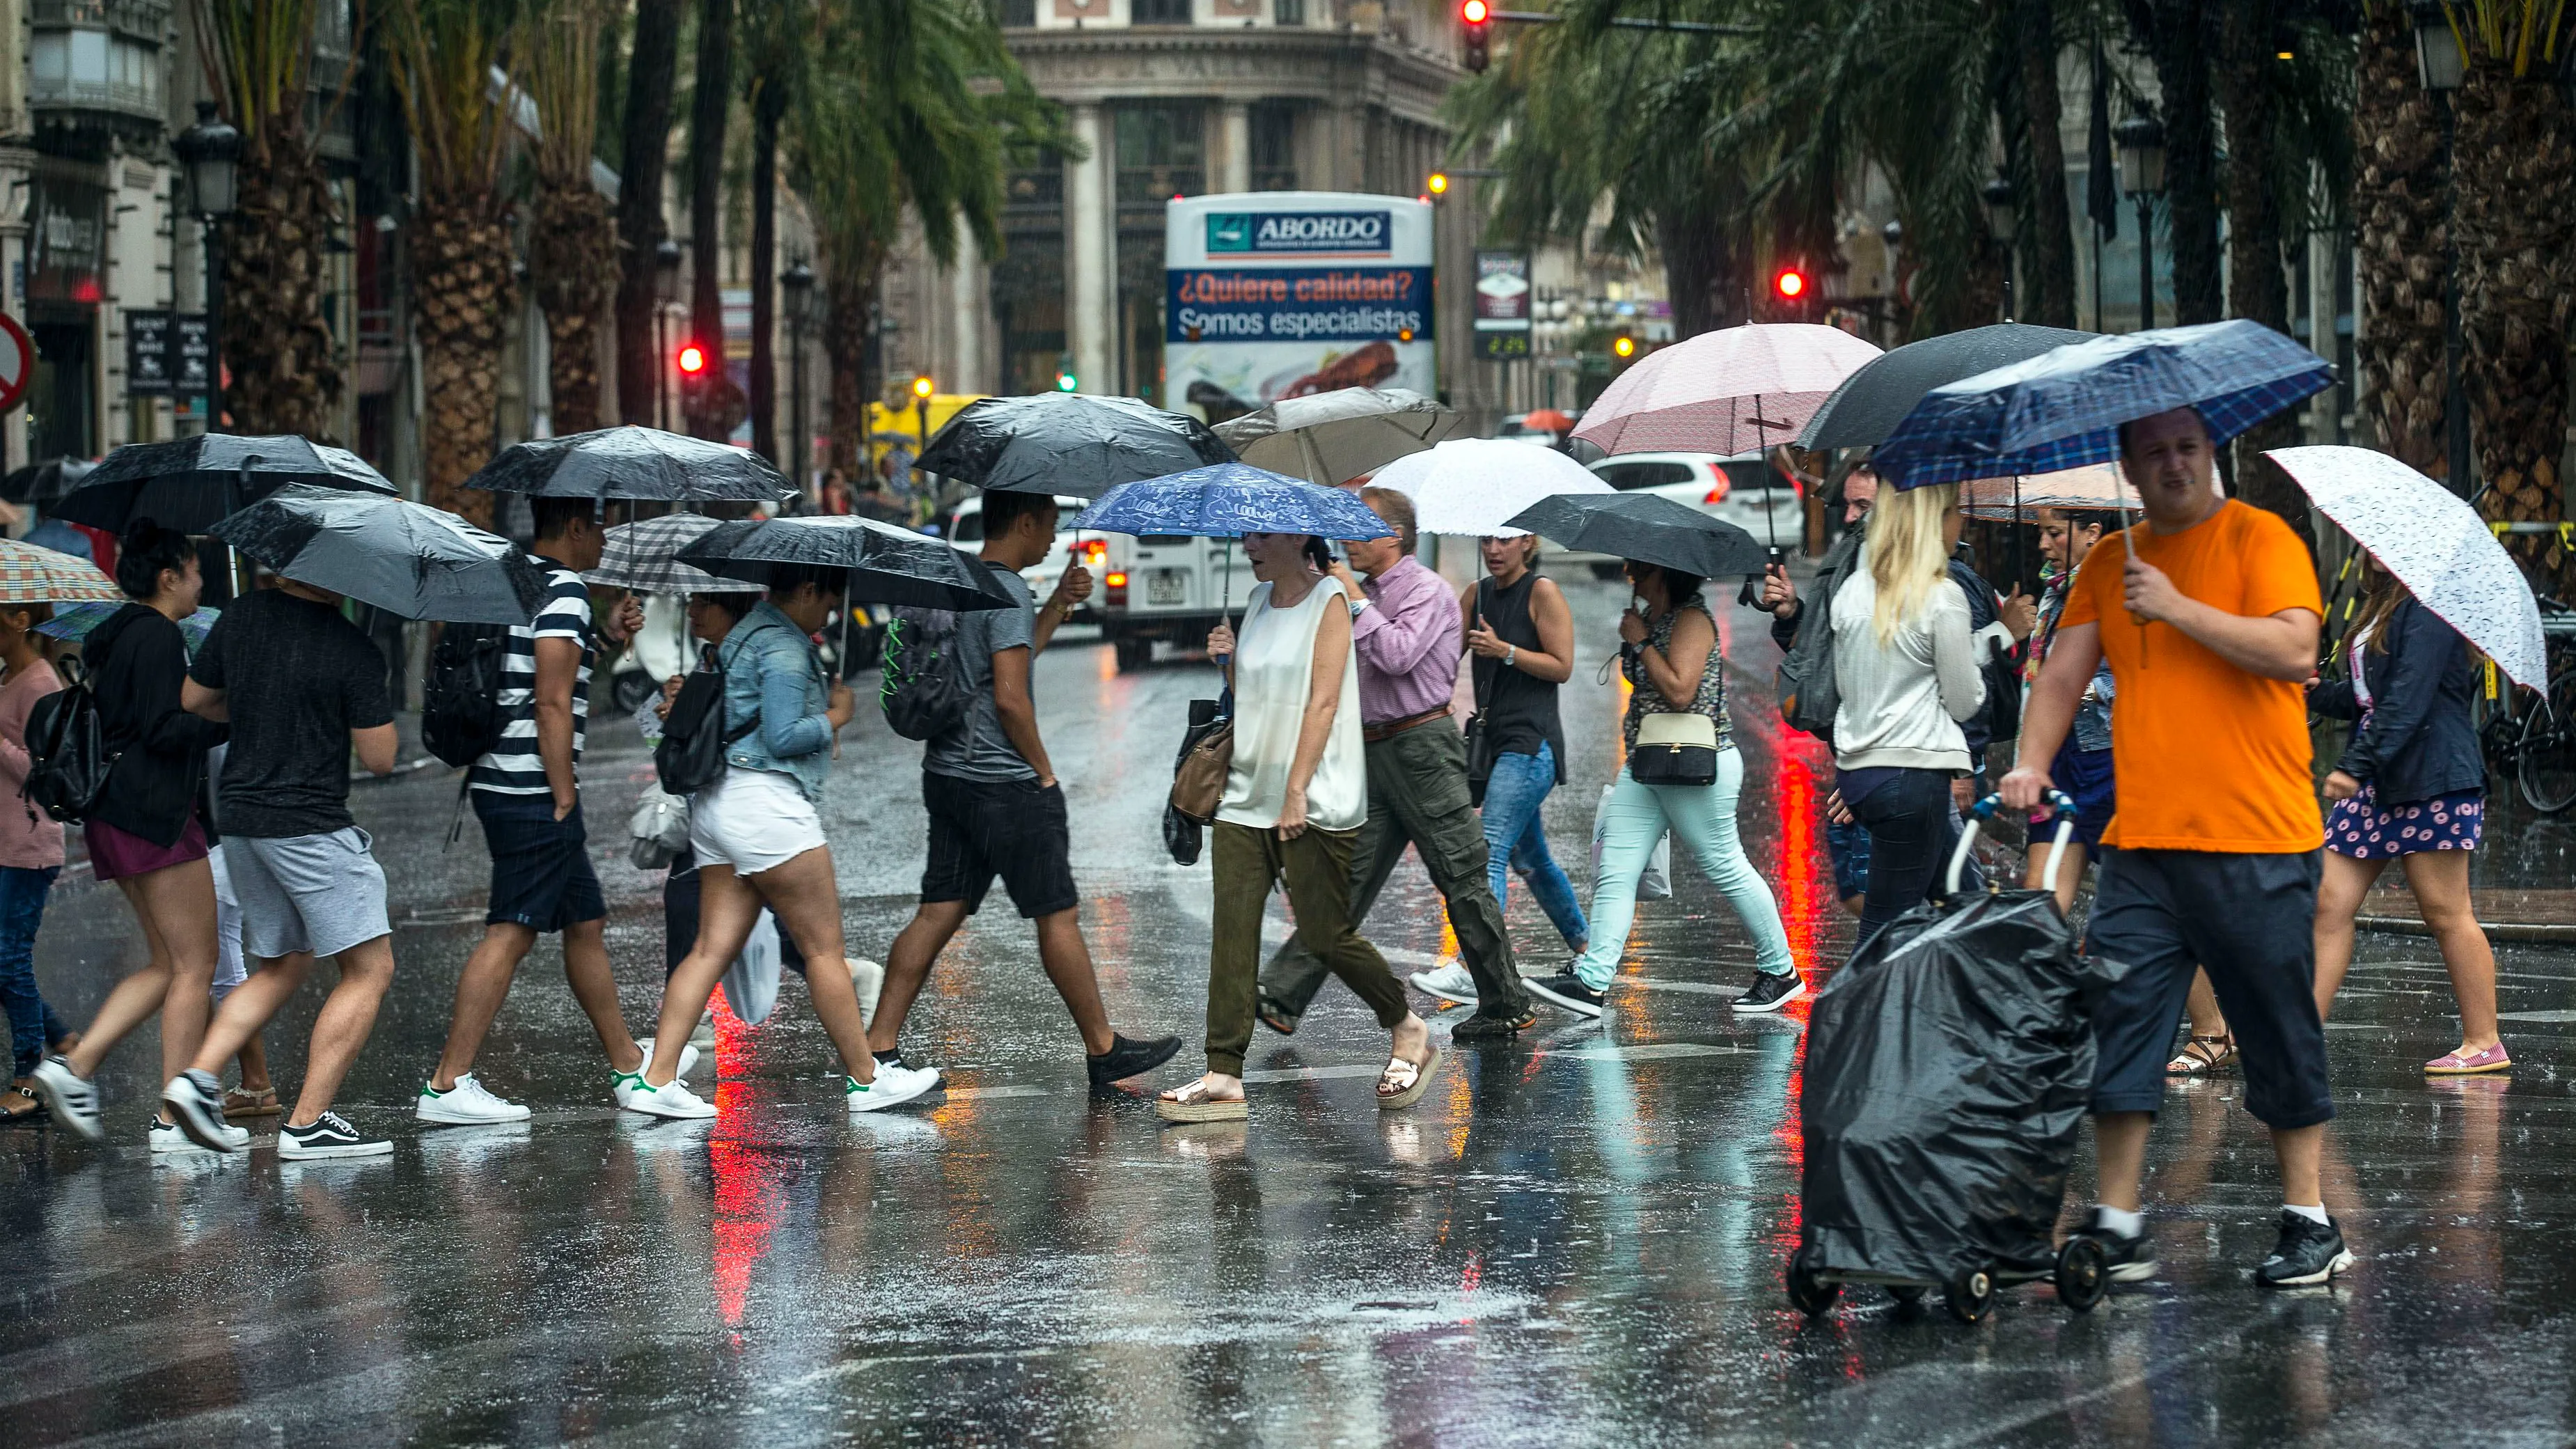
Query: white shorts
752	820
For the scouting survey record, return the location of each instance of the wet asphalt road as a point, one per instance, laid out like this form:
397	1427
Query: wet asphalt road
1575	1239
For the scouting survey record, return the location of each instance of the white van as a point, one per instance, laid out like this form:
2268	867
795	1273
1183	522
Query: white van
964	530
1164	588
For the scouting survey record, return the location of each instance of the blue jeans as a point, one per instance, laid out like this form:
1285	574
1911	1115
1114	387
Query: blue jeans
33	1026
1702	819
1516	840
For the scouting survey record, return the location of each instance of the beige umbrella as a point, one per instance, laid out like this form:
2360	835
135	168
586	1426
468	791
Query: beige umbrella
1330	438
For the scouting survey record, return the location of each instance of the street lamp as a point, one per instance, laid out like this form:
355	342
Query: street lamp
798	284
2141	140
666	295
2441	67
211	150
2001	218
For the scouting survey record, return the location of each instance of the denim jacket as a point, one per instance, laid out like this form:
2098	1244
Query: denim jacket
773	676
2092	729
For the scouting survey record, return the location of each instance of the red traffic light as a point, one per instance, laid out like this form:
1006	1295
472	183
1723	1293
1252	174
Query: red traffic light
1475	12
1477	18
1791	283
693	359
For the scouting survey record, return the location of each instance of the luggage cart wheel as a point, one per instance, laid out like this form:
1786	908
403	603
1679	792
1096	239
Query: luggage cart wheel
2083	1273
1970	1295
1808	1292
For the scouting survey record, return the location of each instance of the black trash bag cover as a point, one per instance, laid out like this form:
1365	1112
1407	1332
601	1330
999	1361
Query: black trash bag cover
1947	1073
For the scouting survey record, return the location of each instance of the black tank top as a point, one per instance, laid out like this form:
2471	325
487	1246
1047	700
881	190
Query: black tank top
1519	708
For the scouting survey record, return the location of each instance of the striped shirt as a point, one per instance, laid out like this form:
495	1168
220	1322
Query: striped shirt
513	767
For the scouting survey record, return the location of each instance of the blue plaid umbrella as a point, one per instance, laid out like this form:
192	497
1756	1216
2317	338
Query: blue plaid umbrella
1229	500
2062	409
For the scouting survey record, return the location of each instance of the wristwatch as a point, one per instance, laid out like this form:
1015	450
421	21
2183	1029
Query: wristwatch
1510	653
1357	605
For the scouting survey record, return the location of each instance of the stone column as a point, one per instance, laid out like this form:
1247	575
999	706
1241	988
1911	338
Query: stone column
966	308
1234	148
2322	299
1090	286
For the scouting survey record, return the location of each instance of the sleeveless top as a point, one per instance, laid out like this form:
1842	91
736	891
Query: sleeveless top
1519	708
1645	699
1274	667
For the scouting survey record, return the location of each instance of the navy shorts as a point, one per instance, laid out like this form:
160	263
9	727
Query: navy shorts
2249	919
541	875
1011	828
2085	776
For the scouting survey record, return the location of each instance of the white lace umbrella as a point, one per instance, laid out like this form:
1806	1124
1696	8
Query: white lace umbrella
2097	487
1472	486
2436	545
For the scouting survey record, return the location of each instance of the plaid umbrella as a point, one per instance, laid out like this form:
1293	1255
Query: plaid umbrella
638	556
2062	409
74	621
32	574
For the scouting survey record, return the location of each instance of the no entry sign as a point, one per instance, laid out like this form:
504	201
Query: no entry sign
17	362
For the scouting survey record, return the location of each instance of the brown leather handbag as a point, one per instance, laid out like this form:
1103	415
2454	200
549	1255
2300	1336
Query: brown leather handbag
1207	754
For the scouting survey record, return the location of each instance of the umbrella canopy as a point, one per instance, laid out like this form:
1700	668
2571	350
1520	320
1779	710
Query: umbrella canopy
1724	392
887	565
633	462
1872	401
639	556
2064	408
421	563
1649	528
2098	487
34	574
1334	437
2435	543
74	621
1229	500
1473	486
192	482
1068	443
1548	420
44	484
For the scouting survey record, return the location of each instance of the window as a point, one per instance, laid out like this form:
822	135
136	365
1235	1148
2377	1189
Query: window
1288	12
1162	151
1161	12
1017	14
1274	146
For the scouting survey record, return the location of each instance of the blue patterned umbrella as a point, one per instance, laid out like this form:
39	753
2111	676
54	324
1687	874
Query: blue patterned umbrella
1229	500
2063	408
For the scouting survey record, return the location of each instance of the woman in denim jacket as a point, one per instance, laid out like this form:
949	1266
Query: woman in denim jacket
758	840
2083	765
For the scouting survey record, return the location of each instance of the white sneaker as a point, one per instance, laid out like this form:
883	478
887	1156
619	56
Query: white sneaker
622	1085
466	1104
672	1099
1449	983
893	1087
867	978
73	1100
166	1137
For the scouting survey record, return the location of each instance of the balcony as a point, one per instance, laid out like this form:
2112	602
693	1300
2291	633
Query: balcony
99	56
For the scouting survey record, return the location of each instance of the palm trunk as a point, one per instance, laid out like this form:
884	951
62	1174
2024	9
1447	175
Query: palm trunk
462	297
2045	219
2258	289
768	110
710	104
2400	176
2178	35
572	255
2516	160
651	67
285	365
1704	275
849	289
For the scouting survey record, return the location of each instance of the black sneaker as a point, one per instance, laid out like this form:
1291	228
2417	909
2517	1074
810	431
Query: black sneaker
2132	1259
1567	990
2308	1252
329	1135
1490	1026
196	1103
1771	990
1127	1057
890	1057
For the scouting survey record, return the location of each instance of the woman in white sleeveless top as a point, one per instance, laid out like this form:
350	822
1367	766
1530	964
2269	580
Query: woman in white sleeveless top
1294	802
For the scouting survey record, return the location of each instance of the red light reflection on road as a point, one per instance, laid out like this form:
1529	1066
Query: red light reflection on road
747	1203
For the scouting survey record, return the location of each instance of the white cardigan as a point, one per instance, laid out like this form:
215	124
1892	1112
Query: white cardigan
1902	703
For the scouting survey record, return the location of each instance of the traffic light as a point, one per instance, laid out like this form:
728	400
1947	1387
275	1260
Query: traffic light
693	361
921	387
1791	284
1437	183
1476	22
1625	345
1065	381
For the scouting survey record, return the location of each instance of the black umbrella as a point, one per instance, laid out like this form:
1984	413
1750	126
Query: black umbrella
44	484
887	565
419	562
191	483
1648	528
1871	402
633	462
1069	443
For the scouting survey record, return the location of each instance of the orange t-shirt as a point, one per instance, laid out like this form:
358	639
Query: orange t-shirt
2207	756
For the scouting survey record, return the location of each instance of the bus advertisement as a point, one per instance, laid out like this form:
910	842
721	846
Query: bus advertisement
1278	294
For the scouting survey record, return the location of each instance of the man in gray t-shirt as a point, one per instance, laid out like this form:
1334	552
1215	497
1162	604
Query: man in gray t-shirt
995	809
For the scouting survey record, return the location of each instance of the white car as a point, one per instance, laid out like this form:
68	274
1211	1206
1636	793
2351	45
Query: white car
1743	490
965	532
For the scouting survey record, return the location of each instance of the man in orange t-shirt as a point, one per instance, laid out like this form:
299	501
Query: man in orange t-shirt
2208	613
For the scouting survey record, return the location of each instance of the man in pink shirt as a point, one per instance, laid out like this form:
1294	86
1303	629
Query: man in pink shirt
1406	633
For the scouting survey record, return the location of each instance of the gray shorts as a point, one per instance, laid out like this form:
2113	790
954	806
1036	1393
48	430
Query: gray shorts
317	893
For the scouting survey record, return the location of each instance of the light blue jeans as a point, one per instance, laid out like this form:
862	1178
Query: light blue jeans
1516	840
1702	820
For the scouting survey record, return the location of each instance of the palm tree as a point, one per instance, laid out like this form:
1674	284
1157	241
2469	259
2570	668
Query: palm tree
779	38
715	405
444	54
2515	173
2178	37
2400	178
2047	229
572	234
651	67
285	364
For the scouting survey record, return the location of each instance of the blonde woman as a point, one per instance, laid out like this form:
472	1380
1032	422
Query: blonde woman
1906	662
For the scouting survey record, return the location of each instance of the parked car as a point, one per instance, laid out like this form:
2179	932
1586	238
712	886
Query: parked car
1744	490
964	531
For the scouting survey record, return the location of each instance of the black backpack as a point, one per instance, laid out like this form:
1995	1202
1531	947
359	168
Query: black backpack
691	755
68	762
924	693
460	710
1805	683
